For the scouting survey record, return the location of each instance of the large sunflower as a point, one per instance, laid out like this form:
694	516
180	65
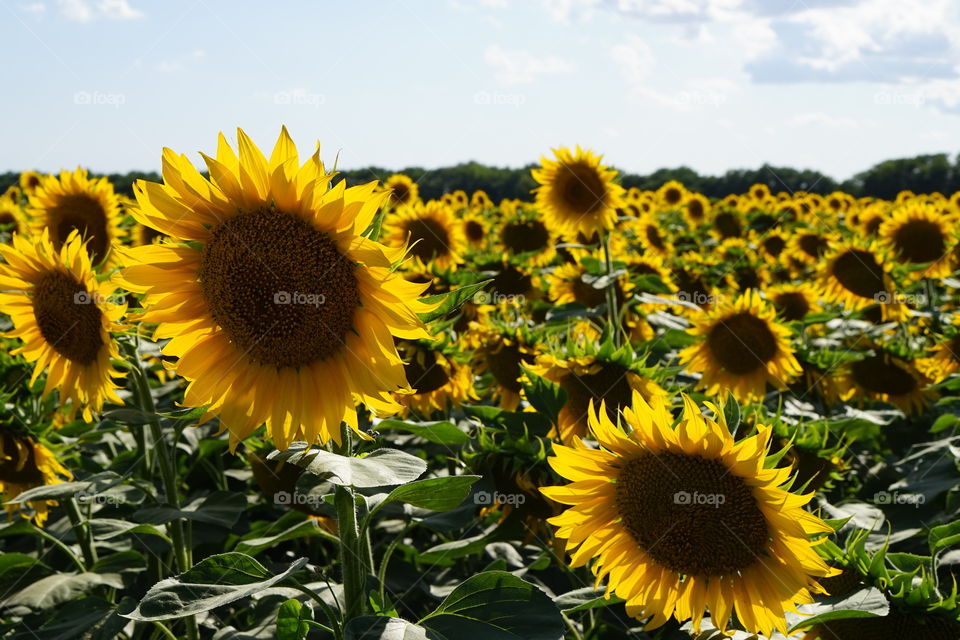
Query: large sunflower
64	318
686	519
26	463
525	234
853	275
918	233
439	382
278	310
741	349
429	230
886	378
74	201
403	190
577	193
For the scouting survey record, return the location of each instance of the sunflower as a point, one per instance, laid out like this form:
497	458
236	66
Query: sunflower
793	301
591	380
652	236
853	275
686	519
11	218
480	201
572	282
526	234
727	223
403	190
74	201
460	201
741	348
696	210
806	248
886	378
439	382
429	230
502	352
577	192
12	196
769	246
944	362
278	310
671	195
918	233
25	463
64	318
475	230
29	181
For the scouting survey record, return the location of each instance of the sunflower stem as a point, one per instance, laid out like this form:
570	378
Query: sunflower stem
354	547
168	472
613	314
81	527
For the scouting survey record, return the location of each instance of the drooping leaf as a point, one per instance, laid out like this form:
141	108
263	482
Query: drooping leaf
383	467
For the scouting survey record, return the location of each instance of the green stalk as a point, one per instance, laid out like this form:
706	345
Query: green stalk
613	314
81	528
355	554
168	473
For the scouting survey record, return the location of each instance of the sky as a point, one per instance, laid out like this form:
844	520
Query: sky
711	84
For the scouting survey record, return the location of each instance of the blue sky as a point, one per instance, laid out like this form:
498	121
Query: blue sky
712	84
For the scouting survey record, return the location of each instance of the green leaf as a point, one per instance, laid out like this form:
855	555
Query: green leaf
221	508
93	486
546	397
943	536
123	561
72	620
373	231
59	588
731	412
496	605
383	628
443	555
106	528
944	422
450	301
436	432
584	599
306	528
212	583
292	620
436	494
383	467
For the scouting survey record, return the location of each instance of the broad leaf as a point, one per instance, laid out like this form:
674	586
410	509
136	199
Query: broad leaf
383	467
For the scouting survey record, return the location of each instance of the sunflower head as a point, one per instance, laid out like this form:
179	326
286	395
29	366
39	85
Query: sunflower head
430	231
853	275
403	190
29	182
277	309
25	463
884	377
919	233
672	194
438	382
741	348
577	193
684	519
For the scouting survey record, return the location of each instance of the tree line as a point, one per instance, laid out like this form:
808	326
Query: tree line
920	174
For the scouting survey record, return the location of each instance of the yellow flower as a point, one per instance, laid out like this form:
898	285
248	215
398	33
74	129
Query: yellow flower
429	230
73	201
64	318
278	309
685	519
403	190
25	464
793	301
439	383
853	275
741	348
885	378
577	193
919	233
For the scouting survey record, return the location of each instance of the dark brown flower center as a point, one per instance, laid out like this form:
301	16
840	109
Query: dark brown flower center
879	374
672	196
504	364
774	245
84	213
400	193
13	470
521	237
695	210
582	188
474	231
654	237
589	296
510	281
428	238
791	305
690	514
728	225
859	273
813	245
68	317
609	385
742	343
424	373
279	288
920	241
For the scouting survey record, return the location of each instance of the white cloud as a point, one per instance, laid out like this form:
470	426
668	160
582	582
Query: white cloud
566	10
176	64
522	67
82	11
635	59
119	10
35	8
822	119
495	4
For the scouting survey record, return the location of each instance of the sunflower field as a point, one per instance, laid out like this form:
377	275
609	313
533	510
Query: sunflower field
260	402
